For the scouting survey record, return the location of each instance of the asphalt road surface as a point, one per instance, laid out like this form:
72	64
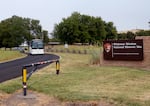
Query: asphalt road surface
13	69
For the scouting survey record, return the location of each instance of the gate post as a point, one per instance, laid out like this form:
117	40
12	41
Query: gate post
57	67
24	80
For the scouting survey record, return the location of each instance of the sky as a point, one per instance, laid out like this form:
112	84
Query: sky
125	14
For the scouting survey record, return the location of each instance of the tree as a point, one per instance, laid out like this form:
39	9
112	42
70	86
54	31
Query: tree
130	35
143	33
126	36
11	32
45	36
83	29
33	29
16	30
121	36
111	31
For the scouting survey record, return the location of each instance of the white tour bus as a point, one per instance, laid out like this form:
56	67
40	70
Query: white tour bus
36	47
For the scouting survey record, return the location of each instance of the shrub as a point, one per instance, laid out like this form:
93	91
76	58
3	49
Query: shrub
95	59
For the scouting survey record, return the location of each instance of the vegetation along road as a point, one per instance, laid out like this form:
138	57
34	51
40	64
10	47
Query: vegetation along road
13	69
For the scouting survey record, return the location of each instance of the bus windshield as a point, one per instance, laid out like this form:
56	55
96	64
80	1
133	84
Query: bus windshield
40	45
37	45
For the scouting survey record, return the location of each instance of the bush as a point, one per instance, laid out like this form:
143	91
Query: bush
95	57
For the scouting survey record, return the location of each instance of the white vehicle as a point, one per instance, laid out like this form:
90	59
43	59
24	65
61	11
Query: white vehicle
36	47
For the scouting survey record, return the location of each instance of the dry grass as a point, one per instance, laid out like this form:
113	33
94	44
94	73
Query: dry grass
9	55
80	81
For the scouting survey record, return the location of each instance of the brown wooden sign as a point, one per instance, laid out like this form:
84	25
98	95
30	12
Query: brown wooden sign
131	50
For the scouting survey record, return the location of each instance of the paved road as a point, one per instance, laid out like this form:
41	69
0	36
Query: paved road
13	69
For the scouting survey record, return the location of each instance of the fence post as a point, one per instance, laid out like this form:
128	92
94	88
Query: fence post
24	80
57	67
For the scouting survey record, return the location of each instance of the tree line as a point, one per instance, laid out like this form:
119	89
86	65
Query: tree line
16	30
131	35
77	28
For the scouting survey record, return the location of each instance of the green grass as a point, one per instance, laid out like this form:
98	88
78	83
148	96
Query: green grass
9	55
80	81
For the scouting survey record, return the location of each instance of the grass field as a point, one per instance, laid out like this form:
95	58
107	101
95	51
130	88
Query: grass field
6	55
80	81
73	49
